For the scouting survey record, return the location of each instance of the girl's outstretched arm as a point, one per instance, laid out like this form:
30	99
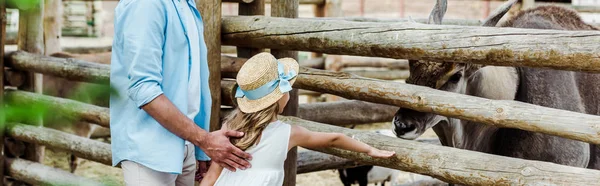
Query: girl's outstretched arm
300	136
214	171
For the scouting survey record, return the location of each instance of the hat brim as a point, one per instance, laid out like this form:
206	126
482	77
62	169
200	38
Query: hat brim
250	106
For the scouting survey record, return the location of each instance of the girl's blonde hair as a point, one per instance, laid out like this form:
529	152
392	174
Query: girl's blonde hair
251	124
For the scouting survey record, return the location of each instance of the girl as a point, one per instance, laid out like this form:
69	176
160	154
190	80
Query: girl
263	86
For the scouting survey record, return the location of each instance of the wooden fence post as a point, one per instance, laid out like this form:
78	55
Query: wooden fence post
528	4
2	117
31	39
211	15
52	26
288	8
256	7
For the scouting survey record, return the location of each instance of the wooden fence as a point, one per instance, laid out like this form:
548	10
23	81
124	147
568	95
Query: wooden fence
510	47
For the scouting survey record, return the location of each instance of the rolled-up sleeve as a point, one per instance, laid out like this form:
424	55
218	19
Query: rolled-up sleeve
143	48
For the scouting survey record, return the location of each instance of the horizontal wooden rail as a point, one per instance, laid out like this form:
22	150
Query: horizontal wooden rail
309	161
460	22
68	68
79	146
455	165
556	49
334	113
38	174
313	161
70	108
500	113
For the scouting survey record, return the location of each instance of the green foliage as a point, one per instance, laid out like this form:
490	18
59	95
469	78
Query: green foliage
24	4
33	112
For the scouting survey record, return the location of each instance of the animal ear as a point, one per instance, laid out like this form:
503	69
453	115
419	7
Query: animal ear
471	69
438	12
493	19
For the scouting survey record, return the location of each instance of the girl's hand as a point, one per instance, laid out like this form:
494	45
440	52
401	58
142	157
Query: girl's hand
376	153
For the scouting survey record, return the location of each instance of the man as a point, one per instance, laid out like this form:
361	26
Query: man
160	71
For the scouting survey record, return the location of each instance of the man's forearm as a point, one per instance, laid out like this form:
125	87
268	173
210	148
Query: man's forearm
165	113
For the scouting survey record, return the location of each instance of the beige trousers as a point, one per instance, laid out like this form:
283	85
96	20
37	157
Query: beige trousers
136	174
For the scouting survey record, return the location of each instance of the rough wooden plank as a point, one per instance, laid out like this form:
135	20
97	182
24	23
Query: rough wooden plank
500	113
79	146
460	22
38	174
231	65
288	9
255	7
31	39
211	14
69	108
87	50
381	74
52	26
455	165
313	161
334	113
337	63
72	69
556	49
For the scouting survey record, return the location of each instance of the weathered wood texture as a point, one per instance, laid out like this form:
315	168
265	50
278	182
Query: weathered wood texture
312	161
455	165
334	113
500	113
87	50
68	68
381	74
557	49
315	2
53	11
347	112
337	63
211	14
256	7
79	146
288	9
460	22
231	65
65	107
31	39
39	174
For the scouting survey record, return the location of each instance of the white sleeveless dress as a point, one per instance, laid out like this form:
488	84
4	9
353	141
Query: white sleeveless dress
267	160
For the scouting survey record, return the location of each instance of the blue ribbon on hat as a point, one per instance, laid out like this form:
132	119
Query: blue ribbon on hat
283	81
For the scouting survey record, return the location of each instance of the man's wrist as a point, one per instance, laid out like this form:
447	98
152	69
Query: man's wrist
199	139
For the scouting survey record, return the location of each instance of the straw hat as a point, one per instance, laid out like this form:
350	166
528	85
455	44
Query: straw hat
263	80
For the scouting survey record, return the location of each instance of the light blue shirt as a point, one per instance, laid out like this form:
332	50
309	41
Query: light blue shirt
150	57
